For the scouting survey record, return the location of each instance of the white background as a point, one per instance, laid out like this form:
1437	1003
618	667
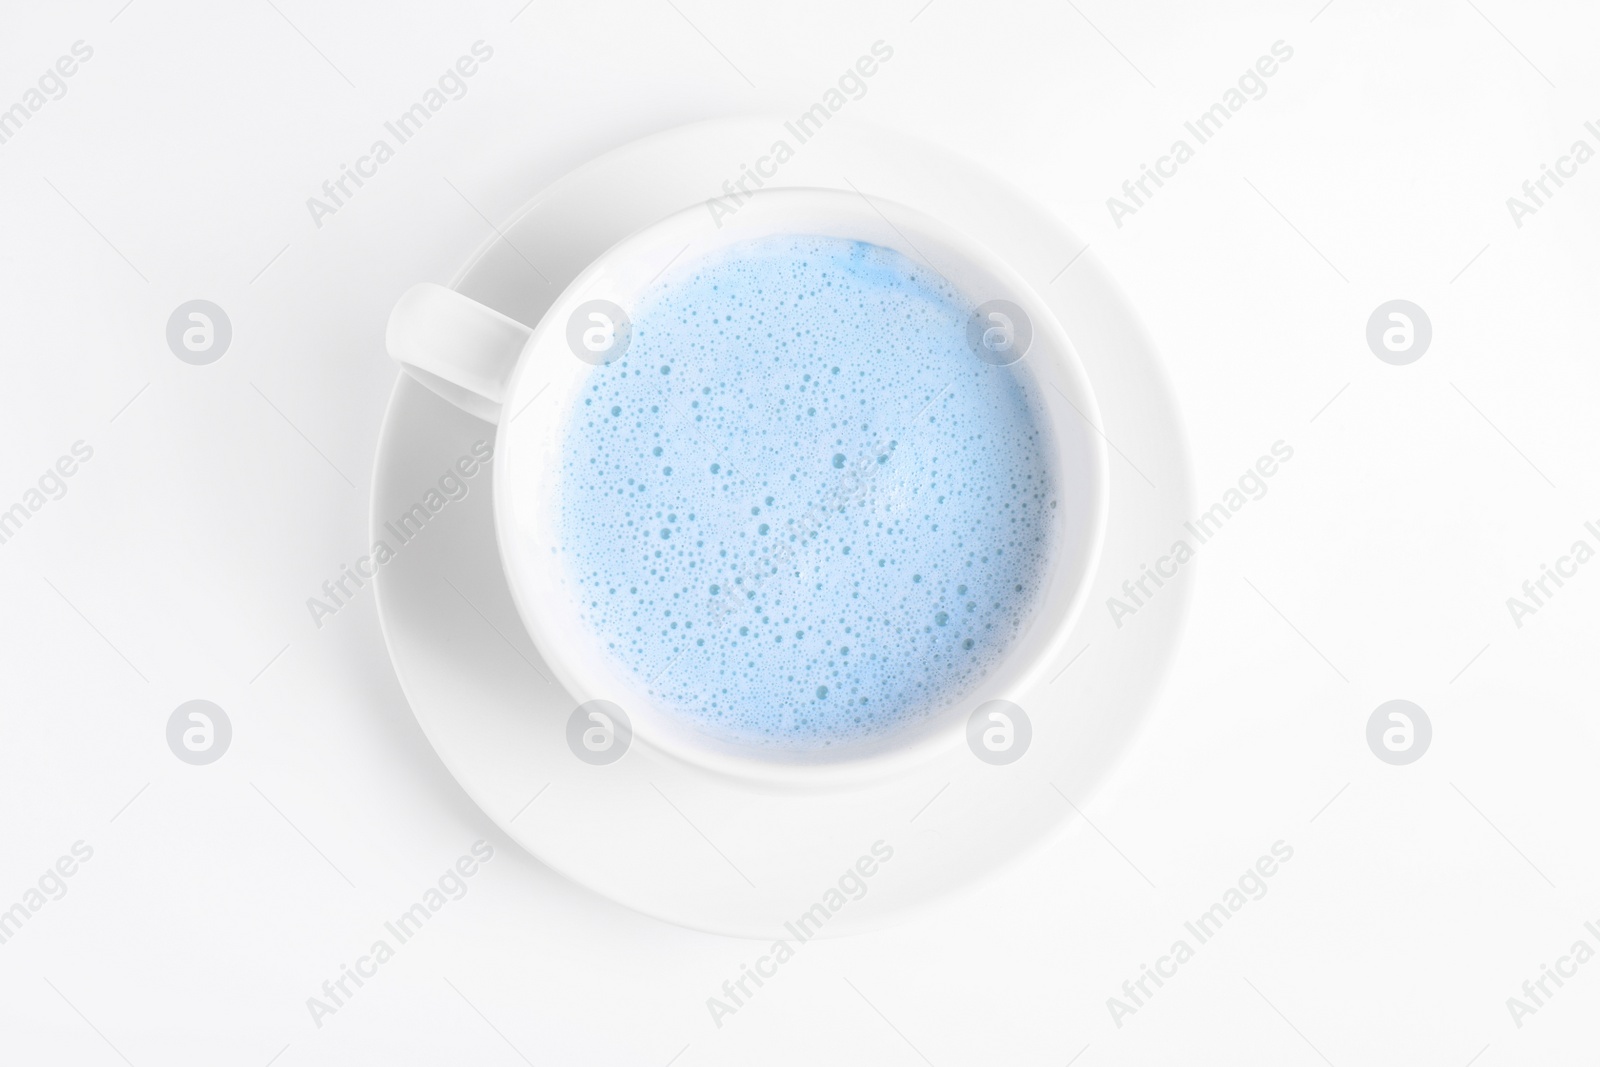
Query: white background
177	565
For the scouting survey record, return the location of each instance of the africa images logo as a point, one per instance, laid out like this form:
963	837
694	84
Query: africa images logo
452	485
850	886
451	85
1205	526
452	884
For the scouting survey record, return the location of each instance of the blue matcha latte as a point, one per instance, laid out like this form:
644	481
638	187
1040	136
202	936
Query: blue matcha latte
799	511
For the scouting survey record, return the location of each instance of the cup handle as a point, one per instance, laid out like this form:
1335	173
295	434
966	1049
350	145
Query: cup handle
457	347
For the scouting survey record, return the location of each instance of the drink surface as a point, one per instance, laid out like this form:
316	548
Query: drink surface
799	511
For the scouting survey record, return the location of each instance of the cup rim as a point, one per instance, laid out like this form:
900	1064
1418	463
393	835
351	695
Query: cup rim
893	757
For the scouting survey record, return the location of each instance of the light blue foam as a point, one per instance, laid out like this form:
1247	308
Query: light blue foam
800	511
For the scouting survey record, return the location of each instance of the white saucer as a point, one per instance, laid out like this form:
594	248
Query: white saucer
707	852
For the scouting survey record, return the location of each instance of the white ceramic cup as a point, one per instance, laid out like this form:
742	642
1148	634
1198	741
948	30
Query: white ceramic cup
524	380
